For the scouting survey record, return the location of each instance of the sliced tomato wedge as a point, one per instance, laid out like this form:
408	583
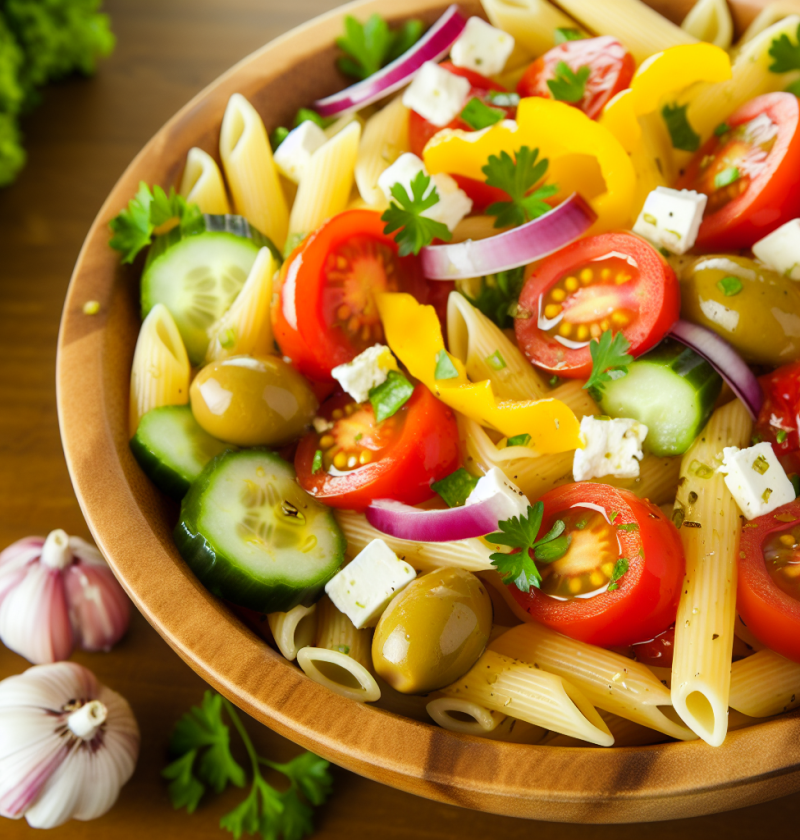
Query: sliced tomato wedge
768	594
606	525
750	171
420	130
611	69
363	460
658	652
324	313
779	418
614	281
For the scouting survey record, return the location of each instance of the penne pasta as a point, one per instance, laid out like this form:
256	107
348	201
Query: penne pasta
250	170
340	673
335	631
771	14
246	329
765	684
710	20
384	139
294	629
532	22
202	183
515	688
160	373
710	534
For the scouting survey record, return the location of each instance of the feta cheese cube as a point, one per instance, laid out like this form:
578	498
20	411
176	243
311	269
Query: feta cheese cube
780	251
368	370
293	155
613	447
436	94
515	502
453	202
482	47
364	587
671	218
756	479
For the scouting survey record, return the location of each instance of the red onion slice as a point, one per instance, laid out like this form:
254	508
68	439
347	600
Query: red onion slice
459	523
532	241
725	360
434	45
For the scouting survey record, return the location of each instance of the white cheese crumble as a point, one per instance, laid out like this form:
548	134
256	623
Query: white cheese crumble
368	370
756	479
453	202
436	94
364	587
671	218
482	47
613	447
293	155
514	501
780	251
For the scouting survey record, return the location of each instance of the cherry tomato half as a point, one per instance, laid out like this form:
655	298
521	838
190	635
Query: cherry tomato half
614	281
363	460
779	418
324	313
420	130
605	525
611	70
657	652
750	171
768	594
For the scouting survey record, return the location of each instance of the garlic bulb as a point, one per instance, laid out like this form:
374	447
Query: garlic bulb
57	593
67	745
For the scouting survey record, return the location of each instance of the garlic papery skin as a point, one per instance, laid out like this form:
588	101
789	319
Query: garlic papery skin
48	772
57	593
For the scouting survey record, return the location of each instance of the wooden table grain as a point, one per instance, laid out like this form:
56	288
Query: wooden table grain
79	141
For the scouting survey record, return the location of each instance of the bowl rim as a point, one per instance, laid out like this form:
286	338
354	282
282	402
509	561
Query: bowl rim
552	783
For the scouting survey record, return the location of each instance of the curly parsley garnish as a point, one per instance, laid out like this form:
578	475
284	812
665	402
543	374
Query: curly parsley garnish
567	85
521	532
610	360
405	214
372	45
517	177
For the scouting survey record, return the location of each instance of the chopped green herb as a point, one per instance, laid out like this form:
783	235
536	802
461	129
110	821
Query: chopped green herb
456	487
569	86
519	440
345	649
277	136
610	360
730	286
650	218
728	176
390	396
566	33
445	369
795	479
683	136
310	115
495	361
404	215
554	380
372	45
785	55
628	526
477	114
620	569
516	177
794	88
498	295
359	436
722	128
756	438
766	494
781	436
316	464
612	515
521	532
582	523
502	98
700	470
228	338
761	465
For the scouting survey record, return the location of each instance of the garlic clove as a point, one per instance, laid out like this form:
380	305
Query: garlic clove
98	607
14	561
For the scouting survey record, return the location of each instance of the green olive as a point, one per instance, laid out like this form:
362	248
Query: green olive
252	401
755	309
433	631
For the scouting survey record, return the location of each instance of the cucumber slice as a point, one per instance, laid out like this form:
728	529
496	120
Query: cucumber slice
173	449
253	536
671	390
197	273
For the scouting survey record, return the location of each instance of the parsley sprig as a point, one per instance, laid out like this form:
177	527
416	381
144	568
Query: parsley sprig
201	742
681	133
498	294
785	55
372	45
520	532
610	360
133	227
567	85
404	215
517	177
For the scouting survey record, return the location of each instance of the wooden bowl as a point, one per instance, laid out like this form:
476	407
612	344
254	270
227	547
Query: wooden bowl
132	525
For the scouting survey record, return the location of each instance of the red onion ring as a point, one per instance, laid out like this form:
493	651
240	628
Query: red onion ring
532	241
434	45
725	360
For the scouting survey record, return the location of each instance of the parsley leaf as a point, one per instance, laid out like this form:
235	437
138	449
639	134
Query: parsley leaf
785	54
372	45
390	396
610	360
518	440
683	136
133	227
477	114
316	464
498	295
520	532
455	488
445	369
405	215
567	33
569	86
620	568
516	177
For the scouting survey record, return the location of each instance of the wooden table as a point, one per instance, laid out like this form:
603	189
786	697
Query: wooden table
79	141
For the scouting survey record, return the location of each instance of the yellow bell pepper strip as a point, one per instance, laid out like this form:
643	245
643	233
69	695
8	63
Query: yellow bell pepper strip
662	75
415	337
585	157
